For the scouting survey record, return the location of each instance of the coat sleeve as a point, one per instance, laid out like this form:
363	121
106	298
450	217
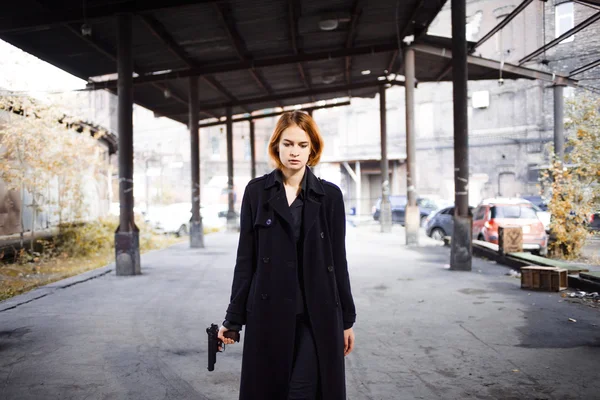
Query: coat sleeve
339	260
244	265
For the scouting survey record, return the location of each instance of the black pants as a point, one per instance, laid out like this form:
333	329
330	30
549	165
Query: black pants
304	382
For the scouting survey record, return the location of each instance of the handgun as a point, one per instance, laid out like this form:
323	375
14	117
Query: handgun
214	342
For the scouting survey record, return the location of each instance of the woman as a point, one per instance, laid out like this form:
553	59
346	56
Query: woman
290	286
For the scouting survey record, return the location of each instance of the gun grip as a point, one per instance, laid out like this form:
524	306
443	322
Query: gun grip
235	335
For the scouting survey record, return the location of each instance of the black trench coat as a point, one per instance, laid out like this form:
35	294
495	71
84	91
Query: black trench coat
265	280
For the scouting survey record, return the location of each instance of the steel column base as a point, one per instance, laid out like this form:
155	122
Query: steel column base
412	221
127	253
461	253
385	215
196	235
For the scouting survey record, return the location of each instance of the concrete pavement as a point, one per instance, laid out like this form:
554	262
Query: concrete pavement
423	332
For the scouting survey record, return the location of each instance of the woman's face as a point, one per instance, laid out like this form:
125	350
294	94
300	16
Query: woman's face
294	148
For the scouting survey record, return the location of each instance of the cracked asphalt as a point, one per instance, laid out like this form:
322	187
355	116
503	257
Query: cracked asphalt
423	332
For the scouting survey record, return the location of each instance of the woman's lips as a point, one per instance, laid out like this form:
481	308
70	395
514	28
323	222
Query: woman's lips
295	161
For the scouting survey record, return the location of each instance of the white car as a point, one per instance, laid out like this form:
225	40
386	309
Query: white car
172	218
543	216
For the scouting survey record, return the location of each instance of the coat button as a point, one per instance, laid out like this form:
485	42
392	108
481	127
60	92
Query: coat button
264	296
269	221
322	235
330	268
266	260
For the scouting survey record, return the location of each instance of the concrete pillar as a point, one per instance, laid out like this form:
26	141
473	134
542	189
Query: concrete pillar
412	216
559	123
385	209
461	252
127	239
231	219
252	149
196	229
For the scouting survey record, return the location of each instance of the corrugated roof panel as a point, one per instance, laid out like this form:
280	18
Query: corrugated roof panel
149	52
264	27
198	31
283	77
240	83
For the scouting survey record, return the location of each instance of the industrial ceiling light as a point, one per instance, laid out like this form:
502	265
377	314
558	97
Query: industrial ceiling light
329	24
86	30
328	78
365	72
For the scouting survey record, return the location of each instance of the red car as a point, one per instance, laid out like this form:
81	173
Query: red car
493	213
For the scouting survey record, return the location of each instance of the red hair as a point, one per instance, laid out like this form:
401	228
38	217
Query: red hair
305	122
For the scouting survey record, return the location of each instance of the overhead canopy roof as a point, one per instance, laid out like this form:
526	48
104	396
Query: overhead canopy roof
250	55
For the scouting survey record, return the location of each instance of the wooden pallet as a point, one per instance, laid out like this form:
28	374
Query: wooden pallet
548	279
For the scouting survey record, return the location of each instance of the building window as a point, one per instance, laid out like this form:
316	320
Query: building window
533	173
247	149
565	20
214	145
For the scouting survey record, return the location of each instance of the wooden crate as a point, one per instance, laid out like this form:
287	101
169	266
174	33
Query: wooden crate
510	239
549	279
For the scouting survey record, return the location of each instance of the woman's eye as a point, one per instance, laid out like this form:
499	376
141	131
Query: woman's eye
286	145
304	146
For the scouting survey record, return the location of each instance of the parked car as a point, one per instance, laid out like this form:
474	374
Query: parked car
171	218
541	209
398	204
494	213
595	222
441	223
537	201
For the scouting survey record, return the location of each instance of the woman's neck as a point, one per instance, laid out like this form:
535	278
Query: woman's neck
293	178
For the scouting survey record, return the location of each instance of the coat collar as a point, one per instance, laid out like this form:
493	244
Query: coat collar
310	183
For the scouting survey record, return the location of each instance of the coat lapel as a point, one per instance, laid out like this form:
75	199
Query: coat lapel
312	204
278	202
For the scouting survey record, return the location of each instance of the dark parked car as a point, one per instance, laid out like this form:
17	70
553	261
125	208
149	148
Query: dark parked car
398	204
595	222
537	201
441	223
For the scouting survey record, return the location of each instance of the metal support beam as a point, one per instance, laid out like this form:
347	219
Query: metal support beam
196	229
444	72
252	149
461	252
109	53
595	4
356	11
559	123
158	76
523	72
385	209
412	214
293	24
171	44
411	26
170	111
503	23
231	220
275	114
127	243
96	11
238	43
585	68
562	37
